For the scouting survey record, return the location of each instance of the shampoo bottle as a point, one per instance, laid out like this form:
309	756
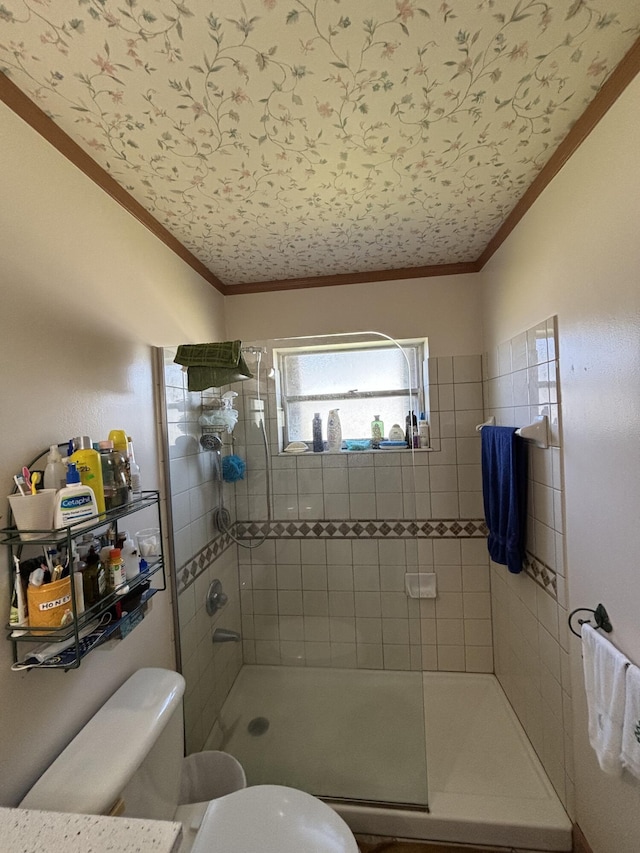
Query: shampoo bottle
87	461
75	502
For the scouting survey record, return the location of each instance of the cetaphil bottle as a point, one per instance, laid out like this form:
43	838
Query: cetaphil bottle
75	502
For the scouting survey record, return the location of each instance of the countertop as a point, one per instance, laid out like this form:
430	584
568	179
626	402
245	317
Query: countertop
30	831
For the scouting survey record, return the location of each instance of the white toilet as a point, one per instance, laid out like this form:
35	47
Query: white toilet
128	760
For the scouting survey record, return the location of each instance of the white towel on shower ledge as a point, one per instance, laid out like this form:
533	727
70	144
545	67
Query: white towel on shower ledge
631	726
604	680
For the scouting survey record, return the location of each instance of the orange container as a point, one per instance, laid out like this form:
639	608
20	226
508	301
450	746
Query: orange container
47	604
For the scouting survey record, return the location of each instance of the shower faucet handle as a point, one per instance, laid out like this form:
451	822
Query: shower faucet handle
216	598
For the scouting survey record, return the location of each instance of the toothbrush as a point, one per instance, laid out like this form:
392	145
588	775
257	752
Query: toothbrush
20	483
35	479
27	477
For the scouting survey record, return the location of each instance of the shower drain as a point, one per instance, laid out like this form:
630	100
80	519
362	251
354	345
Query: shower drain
258	726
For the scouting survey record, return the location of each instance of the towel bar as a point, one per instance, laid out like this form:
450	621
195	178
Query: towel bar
538	431
600	615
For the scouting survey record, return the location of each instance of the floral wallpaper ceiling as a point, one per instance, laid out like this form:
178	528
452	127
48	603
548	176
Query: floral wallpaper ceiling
280	139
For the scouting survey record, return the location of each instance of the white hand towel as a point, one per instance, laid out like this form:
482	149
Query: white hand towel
631	726
604	681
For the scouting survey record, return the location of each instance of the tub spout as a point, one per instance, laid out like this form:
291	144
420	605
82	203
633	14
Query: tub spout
224	635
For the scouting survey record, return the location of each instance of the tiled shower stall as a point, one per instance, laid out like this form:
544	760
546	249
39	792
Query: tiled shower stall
323	583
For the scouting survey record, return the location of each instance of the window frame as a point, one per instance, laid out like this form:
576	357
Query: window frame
417	395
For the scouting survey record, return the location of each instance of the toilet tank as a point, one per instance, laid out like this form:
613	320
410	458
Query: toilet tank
130	750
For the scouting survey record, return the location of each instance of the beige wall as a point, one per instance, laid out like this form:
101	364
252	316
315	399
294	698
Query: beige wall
445	309
86	292
577	254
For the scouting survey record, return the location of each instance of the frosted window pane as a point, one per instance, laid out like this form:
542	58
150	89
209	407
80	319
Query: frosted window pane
341	371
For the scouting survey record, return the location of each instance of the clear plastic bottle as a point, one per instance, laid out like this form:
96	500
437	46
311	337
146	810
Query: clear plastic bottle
377	431
134	469
318	444
114	476
130	557
55	473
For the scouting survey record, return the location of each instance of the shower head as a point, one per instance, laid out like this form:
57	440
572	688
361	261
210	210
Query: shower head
254	350
210	441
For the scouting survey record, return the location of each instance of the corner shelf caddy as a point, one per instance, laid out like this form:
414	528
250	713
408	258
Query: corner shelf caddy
92	627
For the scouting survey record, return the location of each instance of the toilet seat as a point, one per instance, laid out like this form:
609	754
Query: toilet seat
272	819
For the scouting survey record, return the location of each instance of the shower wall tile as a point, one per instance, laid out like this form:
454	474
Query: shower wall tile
529	609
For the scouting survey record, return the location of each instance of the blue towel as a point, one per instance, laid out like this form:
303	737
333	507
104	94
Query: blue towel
504	488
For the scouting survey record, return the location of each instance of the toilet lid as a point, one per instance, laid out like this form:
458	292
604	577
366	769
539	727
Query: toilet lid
272	819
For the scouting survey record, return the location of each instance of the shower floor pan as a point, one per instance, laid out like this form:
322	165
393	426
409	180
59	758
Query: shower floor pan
360	735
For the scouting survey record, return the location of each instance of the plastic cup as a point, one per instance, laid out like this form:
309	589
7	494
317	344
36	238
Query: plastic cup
34	512
148	542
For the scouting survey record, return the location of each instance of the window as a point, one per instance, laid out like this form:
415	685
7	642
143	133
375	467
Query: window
362	380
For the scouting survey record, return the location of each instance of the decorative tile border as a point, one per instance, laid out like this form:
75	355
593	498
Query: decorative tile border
453	528
541	574
187	574
448	528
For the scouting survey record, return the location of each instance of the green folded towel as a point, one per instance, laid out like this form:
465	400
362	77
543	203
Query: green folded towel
212	365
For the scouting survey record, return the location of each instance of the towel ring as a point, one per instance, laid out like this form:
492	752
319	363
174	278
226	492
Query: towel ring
600	616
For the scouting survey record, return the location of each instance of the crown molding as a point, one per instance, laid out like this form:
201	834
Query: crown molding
340	280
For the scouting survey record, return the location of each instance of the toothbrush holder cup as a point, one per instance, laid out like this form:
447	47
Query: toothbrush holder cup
148	542
33	513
